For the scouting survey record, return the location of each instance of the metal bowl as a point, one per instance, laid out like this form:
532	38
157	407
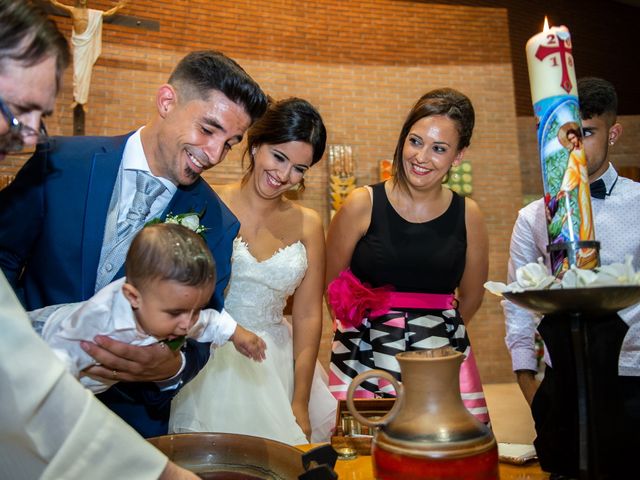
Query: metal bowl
587	301
231	456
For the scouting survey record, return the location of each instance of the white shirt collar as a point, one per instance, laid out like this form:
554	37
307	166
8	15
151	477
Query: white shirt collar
609	177
133	158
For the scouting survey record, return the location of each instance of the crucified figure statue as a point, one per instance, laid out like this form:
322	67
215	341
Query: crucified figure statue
86	39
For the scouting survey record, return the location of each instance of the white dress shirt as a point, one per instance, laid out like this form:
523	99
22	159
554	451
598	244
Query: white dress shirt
50	426
109	313
617	228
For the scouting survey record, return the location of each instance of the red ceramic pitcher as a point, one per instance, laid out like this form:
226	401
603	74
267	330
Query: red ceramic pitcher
428	434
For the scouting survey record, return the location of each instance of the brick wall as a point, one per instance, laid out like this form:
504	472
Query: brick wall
362	64
603	35
626	151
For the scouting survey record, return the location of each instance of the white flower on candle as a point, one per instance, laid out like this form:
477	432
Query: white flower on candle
497	288
578	277
532	276
619	273
535	276
605	276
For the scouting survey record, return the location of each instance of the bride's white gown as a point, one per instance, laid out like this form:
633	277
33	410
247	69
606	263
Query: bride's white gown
234	394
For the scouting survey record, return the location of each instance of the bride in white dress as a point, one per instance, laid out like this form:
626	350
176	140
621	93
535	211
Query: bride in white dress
279	253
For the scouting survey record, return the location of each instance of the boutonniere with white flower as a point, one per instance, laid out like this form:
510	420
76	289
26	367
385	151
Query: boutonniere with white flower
191	220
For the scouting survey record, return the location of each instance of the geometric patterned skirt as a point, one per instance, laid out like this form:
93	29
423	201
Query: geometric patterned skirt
376	341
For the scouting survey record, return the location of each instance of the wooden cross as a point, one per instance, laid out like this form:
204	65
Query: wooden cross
118	19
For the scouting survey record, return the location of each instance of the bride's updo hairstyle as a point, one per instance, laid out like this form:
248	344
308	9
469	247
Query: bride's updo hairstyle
289	120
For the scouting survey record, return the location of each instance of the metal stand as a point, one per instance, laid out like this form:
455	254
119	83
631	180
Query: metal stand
580	344
582	409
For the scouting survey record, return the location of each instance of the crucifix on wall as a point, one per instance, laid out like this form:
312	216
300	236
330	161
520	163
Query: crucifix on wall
86	40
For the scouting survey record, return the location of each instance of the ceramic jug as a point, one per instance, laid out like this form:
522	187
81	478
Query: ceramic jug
428	434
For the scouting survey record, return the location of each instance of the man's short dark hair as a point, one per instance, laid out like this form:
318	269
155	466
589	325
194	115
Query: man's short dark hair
29	37
597	97
201	72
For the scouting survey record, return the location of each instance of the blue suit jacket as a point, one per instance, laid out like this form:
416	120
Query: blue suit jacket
52	220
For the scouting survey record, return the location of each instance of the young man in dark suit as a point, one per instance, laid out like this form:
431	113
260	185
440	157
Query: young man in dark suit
61	218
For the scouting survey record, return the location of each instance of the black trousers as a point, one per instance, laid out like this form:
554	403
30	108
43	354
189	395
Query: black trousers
613	402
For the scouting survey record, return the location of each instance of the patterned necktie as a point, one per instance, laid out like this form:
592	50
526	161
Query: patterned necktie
118	236
598	189
148	188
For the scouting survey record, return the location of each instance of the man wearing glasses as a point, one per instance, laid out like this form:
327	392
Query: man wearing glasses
17	133
50	426
27	94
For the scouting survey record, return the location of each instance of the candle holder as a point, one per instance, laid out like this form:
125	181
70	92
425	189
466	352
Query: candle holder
583	334
571	252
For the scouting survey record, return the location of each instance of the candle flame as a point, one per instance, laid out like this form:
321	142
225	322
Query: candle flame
546	24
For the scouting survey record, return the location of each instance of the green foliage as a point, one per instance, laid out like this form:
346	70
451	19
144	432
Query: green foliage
176	343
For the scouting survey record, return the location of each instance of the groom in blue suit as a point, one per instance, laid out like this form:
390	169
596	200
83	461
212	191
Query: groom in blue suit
57	218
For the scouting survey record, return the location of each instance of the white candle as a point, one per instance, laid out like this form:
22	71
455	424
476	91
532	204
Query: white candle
550	62
564	166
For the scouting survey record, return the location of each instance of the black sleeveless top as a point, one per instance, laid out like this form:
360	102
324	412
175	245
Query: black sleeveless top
412	257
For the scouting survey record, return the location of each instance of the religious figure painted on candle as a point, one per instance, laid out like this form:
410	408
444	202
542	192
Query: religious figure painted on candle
86	39
573	194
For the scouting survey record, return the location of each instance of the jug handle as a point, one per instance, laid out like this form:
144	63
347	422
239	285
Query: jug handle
365	376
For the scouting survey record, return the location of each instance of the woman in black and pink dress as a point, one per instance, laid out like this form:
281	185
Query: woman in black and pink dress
407	258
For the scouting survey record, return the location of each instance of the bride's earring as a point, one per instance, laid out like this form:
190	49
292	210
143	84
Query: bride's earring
298	187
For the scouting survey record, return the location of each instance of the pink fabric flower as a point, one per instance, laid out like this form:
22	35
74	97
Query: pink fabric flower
352	301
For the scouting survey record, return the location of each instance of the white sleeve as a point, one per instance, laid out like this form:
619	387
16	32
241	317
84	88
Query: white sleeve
91	430
50	426
72	324
213	326
520	323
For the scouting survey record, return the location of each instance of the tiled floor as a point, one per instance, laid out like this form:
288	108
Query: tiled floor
510	414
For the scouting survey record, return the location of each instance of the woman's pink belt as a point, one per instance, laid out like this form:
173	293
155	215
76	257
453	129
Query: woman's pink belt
436	301
352	301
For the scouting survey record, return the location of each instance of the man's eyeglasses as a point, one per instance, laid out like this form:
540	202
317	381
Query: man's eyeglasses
14	140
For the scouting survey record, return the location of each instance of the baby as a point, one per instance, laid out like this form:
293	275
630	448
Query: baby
170	278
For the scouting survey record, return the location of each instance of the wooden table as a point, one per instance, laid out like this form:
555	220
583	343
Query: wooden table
360	468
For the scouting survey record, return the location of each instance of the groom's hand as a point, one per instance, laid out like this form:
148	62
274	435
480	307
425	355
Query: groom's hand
129	363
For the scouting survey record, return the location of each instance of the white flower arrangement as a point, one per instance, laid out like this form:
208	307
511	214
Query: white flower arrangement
191	220
535	276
